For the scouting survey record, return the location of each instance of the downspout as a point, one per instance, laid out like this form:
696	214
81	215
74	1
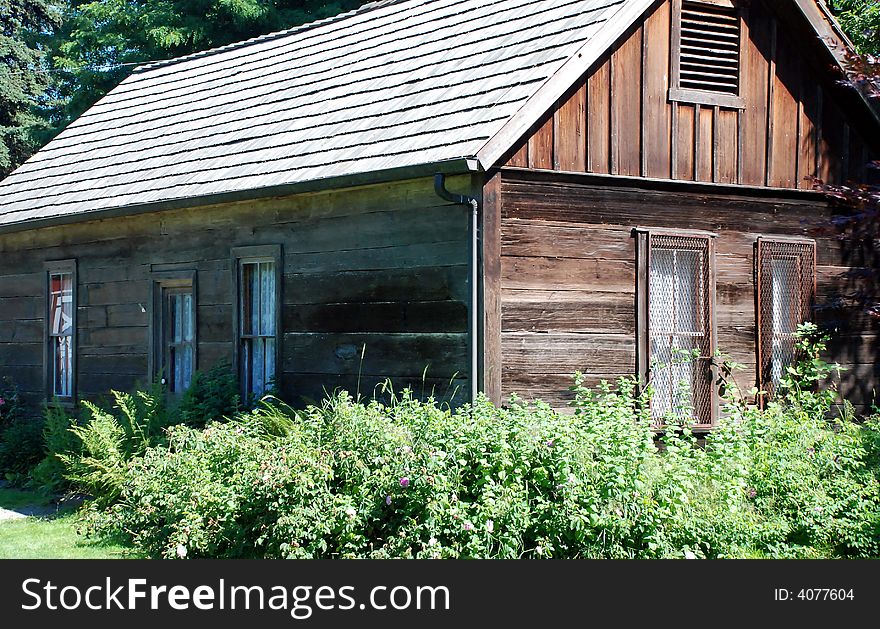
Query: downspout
473	264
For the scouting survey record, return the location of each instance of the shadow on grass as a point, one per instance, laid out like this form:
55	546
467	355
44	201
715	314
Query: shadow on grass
48	528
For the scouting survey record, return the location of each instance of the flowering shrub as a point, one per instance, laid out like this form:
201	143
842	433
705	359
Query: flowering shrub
412	479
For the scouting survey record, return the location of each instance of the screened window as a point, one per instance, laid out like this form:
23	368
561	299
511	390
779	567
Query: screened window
786	285
258	320
61	330
676	338
706	43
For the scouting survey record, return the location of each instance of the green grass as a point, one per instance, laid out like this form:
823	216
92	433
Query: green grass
18	498
52	537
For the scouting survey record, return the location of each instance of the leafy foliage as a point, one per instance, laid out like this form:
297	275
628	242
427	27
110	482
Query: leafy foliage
10	403
21	448
413	479
100	41
861	21
23	77
58	439
108	441
212	396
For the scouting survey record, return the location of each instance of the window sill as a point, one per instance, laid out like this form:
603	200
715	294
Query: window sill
66	403
700	97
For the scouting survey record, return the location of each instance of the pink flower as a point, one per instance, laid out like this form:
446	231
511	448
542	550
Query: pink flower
2	401
404	482
468	526
387	500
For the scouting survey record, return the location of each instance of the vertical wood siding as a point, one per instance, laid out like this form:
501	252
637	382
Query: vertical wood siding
618	120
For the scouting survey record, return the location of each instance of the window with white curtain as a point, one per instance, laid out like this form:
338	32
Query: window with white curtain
174	356
785	284
258	315
676	337
178	338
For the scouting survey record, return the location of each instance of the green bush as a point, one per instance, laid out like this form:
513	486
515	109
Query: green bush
108	441
58	440
21	448
212	396
10	403
229	490
416	479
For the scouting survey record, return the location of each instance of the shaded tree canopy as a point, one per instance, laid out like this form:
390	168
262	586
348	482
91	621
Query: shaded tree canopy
58	57
25	26
99	40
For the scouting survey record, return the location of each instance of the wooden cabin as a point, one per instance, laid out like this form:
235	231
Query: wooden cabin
458	196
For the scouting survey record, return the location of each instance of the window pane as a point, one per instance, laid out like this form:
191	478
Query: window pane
178	332
267	295
676	296
785	309
62	366
661	375
270	362
61	329
61	304
247	299
258	380
182	367
176	318
188	317
246	369
785	303
662	291
688	293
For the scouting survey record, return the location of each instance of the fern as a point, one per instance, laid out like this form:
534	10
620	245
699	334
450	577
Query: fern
108	441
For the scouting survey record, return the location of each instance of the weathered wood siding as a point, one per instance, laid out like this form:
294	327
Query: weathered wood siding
618	119
384	267
568	277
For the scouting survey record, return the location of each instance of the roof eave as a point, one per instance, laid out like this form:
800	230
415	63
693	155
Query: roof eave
557	84
459	166
831	34
816	13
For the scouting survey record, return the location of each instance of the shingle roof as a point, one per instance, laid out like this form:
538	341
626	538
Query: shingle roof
394	84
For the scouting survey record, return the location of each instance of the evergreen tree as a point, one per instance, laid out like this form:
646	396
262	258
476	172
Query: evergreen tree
25	26
102	40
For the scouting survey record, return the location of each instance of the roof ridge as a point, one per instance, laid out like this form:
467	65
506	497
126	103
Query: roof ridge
366	8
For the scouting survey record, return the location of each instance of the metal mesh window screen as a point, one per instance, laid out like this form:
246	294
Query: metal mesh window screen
785	277
680	343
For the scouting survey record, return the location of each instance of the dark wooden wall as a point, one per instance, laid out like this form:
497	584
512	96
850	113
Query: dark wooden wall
383	266
567	288
618	119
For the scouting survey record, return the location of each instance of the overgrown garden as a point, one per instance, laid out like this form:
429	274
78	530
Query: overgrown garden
408	478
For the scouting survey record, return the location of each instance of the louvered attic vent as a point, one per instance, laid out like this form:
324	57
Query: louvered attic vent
709	48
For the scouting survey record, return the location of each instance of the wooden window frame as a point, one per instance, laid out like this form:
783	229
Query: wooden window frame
702	97
50	268
643	236
760	357
162	281
254	254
